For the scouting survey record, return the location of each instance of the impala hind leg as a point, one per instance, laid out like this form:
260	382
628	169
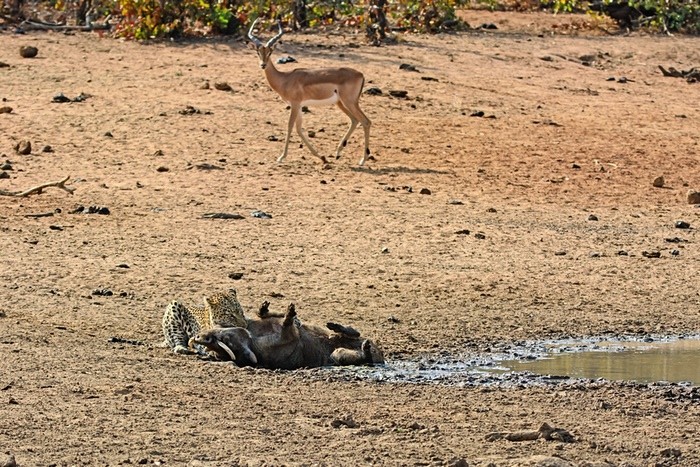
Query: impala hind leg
306	141
353	125
358	114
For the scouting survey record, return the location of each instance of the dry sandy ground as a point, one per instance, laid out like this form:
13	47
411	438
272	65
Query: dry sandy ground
345	243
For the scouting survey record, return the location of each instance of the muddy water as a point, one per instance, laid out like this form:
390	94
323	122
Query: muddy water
646	362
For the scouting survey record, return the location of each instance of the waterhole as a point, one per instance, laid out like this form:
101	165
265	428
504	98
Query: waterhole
648	360
671	360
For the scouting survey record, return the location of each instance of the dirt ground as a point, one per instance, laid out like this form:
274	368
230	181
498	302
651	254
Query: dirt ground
576	126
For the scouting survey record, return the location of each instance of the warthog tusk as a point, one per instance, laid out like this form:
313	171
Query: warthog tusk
227	350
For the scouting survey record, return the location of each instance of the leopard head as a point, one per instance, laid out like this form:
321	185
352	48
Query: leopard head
224	310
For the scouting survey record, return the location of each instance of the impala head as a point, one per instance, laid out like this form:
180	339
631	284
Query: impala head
263	50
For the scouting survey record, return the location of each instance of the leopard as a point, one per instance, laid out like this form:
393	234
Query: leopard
182	323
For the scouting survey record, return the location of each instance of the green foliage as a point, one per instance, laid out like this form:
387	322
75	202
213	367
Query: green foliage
424	15
567	6
670	15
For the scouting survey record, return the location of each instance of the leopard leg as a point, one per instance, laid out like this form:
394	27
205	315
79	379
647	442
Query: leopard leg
178	327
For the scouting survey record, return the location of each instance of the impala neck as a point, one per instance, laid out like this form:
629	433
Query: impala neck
274	76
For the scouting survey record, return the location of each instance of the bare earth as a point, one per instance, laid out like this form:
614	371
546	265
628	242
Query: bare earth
348	244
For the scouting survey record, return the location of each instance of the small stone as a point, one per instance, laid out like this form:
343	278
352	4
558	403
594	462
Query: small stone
108	134
575	166
261	215
223	87
671	452
594	254
205	85
592	217
28	51
9	461
479	236
4	174
658	182
693	197
462	232
651	254
682	225
425	191
374	91
6	166
5	110
622	253
272	138
47	148
236	276
162	169
60	98
457	462
123	266
455	202
312	134
491	210
416	426
675	252
560	253
385	250
24	148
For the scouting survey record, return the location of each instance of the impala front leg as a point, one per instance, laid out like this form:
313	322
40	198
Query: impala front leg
293	115
306	141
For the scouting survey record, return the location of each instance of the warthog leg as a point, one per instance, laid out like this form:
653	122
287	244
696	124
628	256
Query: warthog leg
344	330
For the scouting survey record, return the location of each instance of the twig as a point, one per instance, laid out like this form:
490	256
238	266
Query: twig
37	25
41	214
39	189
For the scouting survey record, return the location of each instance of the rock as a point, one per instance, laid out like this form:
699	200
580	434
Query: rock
223	86
491	210
592	217
24	148
374	92
622	253
594	254
479	236
28	51
60	98
675	252
400	94
287	59
408	67
651	254
235	276
457	462
682	225
462	232
560	253
47	148
261	215
346	421
6	166
455	202
385	250
102	292
312	134
693	197
5	110
162	169
671	452
658	182
9	461
4	174
575	166
425	191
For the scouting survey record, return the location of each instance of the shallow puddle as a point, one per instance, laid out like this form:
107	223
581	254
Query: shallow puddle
666	359
645	362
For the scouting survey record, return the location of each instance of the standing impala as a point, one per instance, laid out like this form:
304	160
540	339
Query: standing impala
302	87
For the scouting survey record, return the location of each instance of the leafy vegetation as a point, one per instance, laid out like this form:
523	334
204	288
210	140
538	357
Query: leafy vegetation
146	19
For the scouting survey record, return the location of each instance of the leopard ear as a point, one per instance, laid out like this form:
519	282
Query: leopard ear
233	293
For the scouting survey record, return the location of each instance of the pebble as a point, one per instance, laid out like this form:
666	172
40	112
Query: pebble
162	169
682	225
594	254
560	253
223	87
261	215
235	276
28	51
480	236
693	197
675	252
592	217
658	182
462	232
651	254
9	461
24	148
425	191
4	175
455	202
5	110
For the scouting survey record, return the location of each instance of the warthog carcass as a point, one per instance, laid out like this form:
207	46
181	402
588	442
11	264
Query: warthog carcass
282	342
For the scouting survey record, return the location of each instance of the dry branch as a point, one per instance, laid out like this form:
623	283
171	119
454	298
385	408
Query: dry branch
39	189
42	26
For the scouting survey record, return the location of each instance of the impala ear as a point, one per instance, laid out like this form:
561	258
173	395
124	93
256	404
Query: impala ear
252	46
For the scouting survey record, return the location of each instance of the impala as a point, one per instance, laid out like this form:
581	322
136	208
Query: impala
302	87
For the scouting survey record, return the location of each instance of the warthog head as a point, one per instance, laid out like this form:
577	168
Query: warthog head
229	343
